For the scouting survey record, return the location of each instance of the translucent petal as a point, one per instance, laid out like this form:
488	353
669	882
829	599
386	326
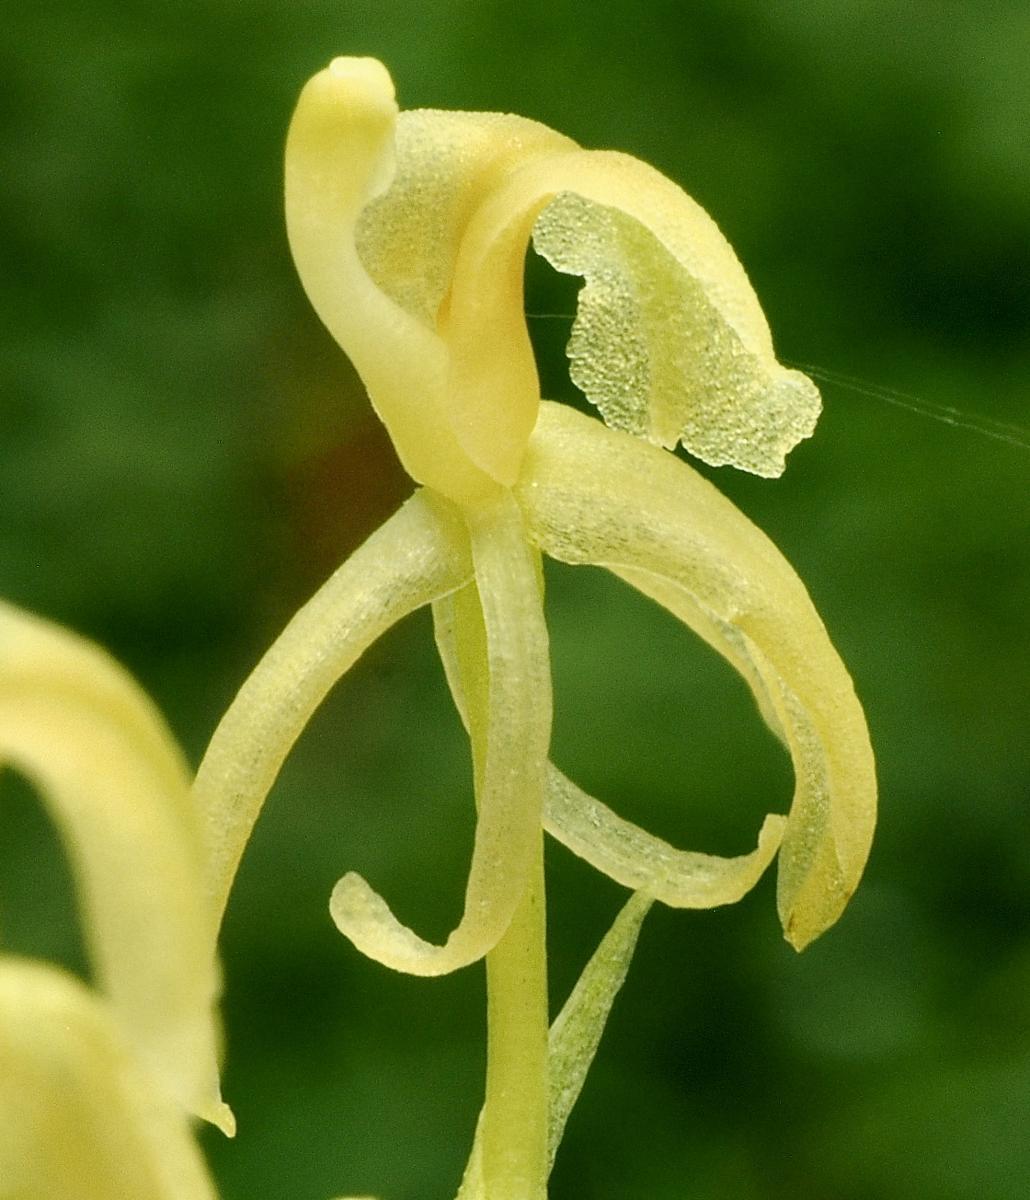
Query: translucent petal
667	341
622	850
116	786
670	341
510	782
595	496
446	162
637	859
78	1120
417	556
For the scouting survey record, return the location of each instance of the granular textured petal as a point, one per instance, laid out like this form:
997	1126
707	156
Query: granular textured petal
664	344
408	238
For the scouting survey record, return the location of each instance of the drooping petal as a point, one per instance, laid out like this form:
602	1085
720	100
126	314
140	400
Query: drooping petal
78	1118
420	554
510	781
75	724
637	859
594	496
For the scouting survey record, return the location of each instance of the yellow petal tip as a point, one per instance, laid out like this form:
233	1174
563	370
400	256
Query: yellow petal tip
361	80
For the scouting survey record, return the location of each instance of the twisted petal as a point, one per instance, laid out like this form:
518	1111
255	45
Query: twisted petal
77	1116
81	730
594	496
420	554
510	780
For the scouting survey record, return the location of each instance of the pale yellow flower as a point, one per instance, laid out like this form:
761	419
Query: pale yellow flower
97	1087
409	231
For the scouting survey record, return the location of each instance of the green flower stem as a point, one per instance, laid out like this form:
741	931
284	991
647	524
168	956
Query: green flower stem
515	1116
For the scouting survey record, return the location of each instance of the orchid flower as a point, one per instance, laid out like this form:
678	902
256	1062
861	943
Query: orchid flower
97	1086
409	232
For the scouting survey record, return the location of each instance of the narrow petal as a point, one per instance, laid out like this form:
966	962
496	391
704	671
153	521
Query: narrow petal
420	554
510	782
77	1116
117	789
575	1034
623	851
595	496
511	1138
637	859
577	1029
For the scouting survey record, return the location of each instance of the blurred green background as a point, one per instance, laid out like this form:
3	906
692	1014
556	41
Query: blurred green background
184	456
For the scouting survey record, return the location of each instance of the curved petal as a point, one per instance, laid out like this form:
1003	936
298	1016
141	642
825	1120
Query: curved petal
670	342
417	556
339	156
77	1117
623	851
510	1154
510	781
639	860
115	783
594	496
